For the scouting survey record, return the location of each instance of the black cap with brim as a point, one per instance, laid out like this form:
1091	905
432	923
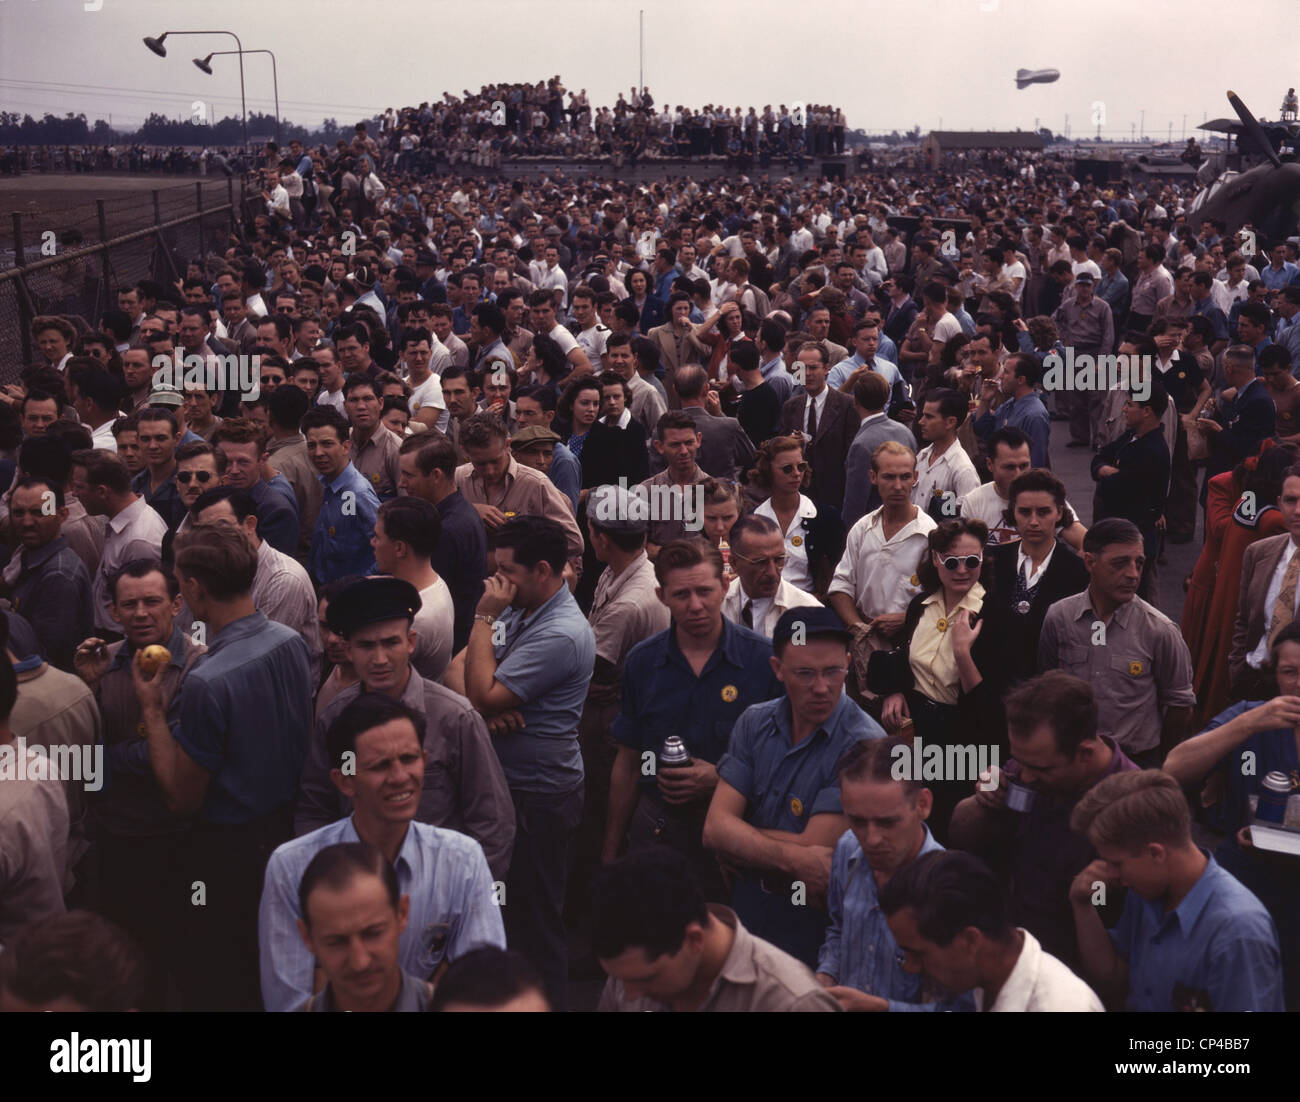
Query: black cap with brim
371	601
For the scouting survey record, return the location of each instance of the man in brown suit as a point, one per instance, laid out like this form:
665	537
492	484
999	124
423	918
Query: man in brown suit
830	425
1267	604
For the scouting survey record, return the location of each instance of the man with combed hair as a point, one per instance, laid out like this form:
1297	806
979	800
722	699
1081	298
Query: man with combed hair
490	979
229	755
1191	937
664	948
886	809
947	913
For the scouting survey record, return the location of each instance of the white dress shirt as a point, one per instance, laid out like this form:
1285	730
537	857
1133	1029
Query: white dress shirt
880	575
951	472
1026	569
1039	983
817	402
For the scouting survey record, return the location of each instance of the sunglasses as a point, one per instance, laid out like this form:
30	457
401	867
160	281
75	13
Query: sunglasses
185	477
790	468
970	562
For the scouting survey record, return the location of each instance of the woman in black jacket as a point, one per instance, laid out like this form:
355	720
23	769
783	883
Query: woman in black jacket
943	683
1033	573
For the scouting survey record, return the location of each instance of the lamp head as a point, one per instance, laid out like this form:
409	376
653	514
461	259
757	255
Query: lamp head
204	63
156	45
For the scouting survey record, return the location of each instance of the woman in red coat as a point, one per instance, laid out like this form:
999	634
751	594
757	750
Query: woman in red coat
1222	495
1255	517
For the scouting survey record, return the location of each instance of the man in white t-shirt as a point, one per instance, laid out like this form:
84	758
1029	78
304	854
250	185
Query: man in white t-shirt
541	306
407	530
1008	459
331	377
593	335
426	402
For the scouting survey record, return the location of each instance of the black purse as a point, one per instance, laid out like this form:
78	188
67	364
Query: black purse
887	672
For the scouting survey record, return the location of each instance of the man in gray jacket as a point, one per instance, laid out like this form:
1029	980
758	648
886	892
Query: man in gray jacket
870	396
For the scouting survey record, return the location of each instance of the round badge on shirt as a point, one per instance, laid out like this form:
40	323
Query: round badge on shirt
796	806
1135	668
729	693
797	541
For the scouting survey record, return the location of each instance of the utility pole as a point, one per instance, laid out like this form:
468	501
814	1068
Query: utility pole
1143	124
641	69
1067	126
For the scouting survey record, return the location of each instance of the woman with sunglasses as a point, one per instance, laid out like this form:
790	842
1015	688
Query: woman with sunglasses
943	684
814	534
1034	573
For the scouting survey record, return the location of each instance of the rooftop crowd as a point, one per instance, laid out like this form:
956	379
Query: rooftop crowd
564	601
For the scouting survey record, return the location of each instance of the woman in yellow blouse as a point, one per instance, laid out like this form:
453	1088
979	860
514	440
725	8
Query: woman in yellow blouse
944	682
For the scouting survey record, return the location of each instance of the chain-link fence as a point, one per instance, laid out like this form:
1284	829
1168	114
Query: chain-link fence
74	270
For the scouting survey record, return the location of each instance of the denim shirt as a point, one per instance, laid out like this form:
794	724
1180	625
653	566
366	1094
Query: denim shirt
341	542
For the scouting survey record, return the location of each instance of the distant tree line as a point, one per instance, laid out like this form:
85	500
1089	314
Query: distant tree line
157	129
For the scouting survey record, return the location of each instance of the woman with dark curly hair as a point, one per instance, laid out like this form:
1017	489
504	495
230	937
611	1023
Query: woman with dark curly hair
814	533
945	679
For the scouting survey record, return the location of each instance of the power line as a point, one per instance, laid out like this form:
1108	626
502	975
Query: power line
70	88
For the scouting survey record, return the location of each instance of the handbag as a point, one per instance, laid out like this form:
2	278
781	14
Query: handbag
887	672
1198	443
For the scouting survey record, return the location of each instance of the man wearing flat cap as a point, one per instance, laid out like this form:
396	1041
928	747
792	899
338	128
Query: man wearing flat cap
464	786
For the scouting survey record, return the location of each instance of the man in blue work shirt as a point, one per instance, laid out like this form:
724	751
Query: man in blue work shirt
1021	408
526	669
341	543
776	812
228	752
693	680
1192	936
860	960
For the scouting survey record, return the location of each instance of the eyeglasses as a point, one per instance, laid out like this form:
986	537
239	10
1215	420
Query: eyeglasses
790	468
970	562
776	560
185	477
831	674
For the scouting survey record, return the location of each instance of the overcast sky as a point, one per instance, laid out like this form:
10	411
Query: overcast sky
888	64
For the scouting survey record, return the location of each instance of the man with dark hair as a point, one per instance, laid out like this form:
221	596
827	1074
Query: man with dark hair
677	440
78	962
97	402
340	544
281	588
286	450
1021	406
771	362
427	462
646	403
351	917
490	979
407	532
526	669
1192	937
134	530
870	397
1058	755
158	435
375	749
826	420
948	916
1132	654
945	473
778	820
886	807
664	948
759	408
139	838
1132	476
535	409
372	448
49	584
242	444
230	757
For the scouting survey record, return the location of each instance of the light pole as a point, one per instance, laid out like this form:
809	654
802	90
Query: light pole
156	45
205	65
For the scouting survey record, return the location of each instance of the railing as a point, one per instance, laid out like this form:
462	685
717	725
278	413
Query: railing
127	239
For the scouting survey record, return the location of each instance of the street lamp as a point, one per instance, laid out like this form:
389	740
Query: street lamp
156	45
205	65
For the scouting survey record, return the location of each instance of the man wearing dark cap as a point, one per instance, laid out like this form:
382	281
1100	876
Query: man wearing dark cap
464	787
776	812
1086	325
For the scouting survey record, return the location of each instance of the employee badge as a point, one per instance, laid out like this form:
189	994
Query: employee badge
942	625
796	540
796	806
1022	607
1135	668
374	478
331	531
729	693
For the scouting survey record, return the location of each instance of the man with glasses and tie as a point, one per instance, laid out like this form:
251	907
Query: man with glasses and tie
776	813
759	594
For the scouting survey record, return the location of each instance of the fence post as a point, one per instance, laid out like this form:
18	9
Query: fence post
23	300
103	244
230	201
203	245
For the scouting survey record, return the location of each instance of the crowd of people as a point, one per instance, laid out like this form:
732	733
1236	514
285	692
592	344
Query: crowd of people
664	584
